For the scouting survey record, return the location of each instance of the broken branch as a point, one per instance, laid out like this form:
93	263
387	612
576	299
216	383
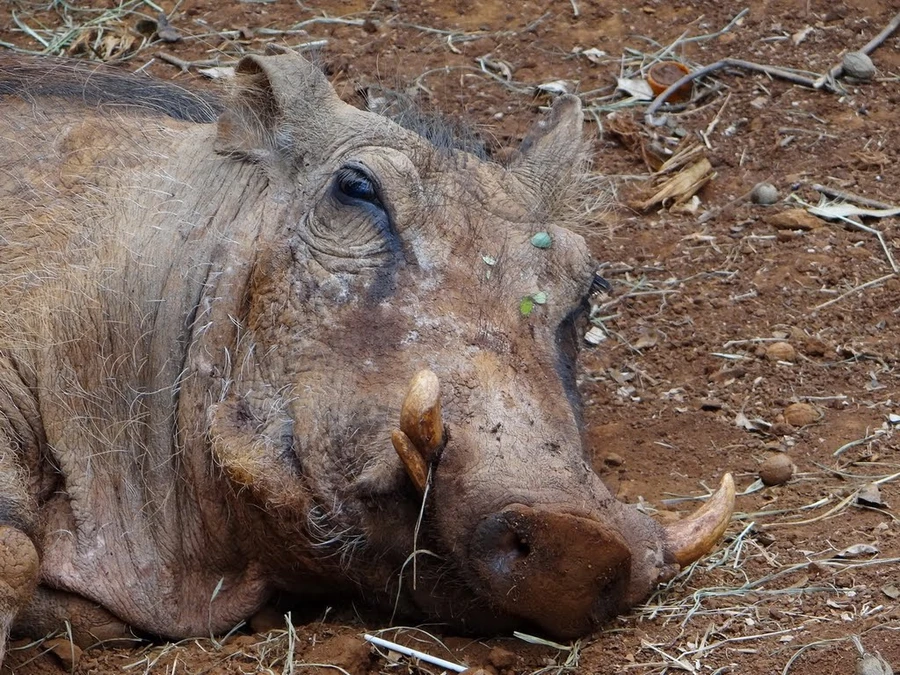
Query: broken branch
870	46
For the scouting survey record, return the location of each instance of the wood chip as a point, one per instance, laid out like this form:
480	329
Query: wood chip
682	186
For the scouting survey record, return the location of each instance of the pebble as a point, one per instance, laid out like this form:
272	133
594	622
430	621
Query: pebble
873	664
712	404
800	414
764	194
781	351
776	470
613	459
794	219
858	65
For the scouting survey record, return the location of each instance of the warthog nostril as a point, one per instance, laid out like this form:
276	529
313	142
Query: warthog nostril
499	543
512	545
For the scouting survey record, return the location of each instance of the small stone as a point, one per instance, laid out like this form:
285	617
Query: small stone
858	65
613	459
800	414
65	650
712	404
776	470
502	658
764	194
794	219
873	664
781	351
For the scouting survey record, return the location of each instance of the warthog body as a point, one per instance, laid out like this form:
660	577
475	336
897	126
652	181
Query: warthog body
208	327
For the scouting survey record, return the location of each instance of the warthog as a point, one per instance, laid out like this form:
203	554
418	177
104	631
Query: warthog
279	347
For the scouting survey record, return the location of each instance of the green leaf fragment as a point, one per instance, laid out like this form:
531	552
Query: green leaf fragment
526	305
542	240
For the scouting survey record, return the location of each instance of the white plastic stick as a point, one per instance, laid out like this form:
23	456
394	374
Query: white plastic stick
393	646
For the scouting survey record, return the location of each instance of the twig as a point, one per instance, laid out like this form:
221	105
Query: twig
871	46
799	652
879	235
699	38
835	212
719	210
187	65
834	193
715	121
856	289
830	512
773	71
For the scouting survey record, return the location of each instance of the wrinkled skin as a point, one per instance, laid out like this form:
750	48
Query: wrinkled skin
207	332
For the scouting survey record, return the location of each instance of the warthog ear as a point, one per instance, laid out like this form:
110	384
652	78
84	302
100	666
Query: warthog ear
554	148
250	456
274	94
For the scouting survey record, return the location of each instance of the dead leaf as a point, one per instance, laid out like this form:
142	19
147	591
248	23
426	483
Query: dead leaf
556	87
217	72
636	87
801	35
891	591
857	551
870	495
594	55
847	210
743	422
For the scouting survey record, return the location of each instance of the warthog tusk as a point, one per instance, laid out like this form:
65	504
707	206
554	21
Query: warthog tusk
421	429
689	539
412	460
420	416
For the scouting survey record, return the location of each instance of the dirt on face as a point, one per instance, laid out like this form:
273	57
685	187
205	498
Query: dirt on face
734	331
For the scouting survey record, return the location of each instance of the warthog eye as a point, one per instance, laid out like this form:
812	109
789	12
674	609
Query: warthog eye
354	184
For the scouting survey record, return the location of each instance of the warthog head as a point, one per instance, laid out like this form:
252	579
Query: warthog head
397	423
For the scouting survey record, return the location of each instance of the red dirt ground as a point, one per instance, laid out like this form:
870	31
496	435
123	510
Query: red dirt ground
695	307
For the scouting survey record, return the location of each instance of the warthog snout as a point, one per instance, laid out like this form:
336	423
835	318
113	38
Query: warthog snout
554	569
